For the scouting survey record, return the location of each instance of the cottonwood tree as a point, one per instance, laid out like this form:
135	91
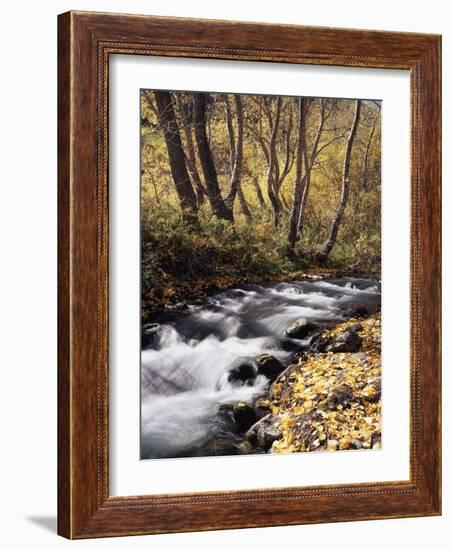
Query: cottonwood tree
333	232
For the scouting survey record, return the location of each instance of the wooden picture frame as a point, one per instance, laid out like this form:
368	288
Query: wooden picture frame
85	41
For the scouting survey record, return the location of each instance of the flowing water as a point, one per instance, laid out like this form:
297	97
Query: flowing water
185	361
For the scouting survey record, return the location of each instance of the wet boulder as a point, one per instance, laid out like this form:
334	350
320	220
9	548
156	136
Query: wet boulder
346	342
302	329
293	345
269	366
244	416
356	328
262	407
244	374
272	344
226	414
150	335
265	432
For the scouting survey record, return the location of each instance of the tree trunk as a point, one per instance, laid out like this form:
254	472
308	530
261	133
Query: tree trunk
229	121
207	162
275	203
301	154
367	152
186	116
289	155
176	157
259	193
330	242
307	177
236	174
244	206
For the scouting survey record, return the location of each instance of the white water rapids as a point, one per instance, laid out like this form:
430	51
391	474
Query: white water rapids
185	366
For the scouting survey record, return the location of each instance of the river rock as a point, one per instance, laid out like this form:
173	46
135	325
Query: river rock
360	312
244	416
221	445
269	366
341	395
226	414
281	387
293	345
346	342
356	328
373	391
302	328
376	441
246	448
244	373
265	432
262	407
150	335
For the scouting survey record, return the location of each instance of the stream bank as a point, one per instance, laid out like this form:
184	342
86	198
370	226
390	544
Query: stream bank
254	368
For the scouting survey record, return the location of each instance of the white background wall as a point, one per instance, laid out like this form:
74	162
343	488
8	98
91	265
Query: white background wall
28	271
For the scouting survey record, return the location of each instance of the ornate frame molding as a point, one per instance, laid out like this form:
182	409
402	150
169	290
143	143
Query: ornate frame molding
86	40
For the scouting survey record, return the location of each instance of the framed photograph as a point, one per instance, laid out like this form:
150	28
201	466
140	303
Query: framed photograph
249	275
